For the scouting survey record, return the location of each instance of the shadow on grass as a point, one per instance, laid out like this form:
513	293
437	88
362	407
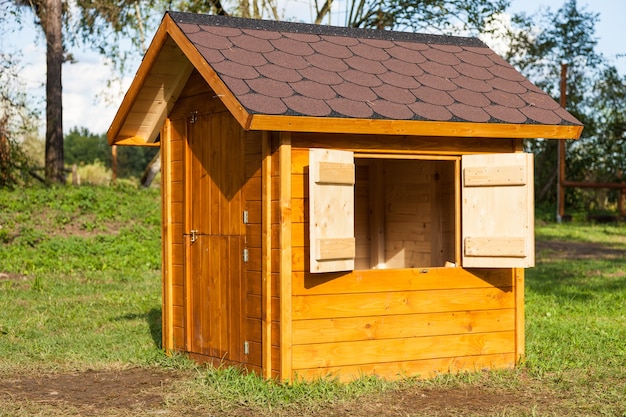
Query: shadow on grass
578	279
155	324
153	318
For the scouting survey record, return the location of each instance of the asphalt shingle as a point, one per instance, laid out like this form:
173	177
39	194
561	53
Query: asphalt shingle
281	68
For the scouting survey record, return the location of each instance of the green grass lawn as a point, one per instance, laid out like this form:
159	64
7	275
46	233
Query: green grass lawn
81	283
80	290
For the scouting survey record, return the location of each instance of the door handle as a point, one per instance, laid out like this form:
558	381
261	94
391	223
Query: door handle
194	235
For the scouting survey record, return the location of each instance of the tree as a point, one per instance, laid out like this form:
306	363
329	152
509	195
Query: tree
101	24
445	16
17	121
105	24
50	17
538	46
83	147
50	13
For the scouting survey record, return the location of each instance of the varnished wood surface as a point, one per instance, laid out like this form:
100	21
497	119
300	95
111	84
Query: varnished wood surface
423	368
285	188
411	127
407	321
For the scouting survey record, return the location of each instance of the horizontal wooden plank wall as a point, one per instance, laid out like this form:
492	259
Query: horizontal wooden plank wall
167	334
252	199
256	313
409	204
395	322
176	270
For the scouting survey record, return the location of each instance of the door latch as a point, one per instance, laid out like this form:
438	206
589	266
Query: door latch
194	235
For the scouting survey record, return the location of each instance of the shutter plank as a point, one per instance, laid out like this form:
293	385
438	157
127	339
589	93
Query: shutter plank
497	211
494	176
331	210
335	173
494	246
328	249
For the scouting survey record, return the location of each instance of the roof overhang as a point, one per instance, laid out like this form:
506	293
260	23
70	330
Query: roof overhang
412	127
160	78
171	58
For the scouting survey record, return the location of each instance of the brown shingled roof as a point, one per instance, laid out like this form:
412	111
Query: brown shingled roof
278	69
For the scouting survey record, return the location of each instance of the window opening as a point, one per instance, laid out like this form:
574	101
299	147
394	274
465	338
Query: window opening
404	213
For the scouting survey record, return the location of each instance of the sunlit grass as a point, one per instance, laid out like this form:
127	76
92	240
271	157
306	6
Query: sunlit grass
81	289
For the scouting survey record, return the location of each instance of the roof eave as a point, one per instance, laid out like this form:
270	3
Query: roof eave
413	127
137	84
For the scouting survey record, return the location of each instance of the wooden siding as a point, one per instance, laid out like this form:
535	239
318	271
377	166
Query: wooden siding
404	145
396	322
263	292
252	196
284	253
176	194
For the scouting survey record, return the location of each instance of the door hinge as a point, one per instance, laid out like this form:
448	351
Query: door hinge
245	217
193	117
246	255
246	348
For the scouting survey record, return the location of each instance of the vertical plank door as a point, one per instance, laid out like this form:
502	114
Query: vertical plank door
215	237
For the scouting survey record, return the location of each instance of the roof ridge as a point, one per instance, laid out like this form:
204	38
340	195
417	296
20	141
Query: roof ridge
325	30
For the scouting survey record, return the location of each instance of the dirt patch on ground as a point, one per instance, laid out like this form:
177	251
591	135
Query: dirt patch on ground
12	280
135	388
141	391
557	249
460	401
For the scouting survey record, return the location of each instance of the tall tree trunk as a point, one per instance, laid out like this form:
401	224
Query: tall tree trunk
151	171
54	99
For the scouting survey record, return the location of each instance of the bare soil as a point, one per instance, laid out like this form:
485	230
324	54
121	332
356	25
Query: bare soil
556	249
90	391
144	391
140	391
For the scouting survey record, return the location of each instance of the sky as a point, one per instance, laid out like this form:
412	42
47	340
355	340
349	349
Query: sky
85	82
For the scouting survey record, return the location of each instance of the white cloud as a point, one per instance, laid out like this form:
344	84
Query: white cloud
87	100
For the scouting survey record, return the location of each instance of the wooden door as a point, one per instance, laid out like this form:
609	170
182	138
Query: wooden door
214	237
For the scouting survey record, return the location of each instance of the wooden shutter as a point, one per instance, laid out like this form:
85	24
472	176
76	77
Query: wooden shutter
331	210
498	211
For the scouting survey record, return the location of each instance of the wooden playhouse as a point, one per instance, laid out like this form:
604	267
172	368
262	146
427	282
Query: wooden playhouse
339	201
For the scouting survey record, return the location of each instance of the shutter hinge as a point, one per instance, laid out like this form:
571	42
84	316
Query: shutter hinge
193	117
245	217
246	256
